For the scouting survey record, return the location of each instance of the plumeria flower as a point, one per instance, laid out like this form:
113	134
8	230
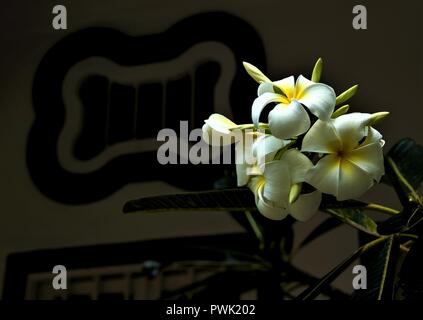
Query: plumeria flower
273	187
220	131
289	118
217	130
353	158
253	152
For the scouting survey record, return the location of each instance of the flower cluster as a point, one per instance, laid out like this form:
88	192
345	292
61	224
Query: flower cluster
306	147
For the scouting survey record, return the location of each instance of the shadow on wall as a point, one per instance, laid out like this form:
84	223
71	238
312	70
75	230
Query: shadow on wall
93	137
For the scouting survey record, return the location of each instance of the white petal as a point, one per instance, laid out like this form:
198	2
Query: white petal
373	136
278	182
369	158
340	178
244	159
306	206
256	184
353	181
298	165
321	138
261	102
266	146
265	87
220	123
244	151
245	173
301	84
217	139
317	97
241	175
324	176
270	212
287	86
266	207
241	164
287	121
382	142
216	130
207	133
351	129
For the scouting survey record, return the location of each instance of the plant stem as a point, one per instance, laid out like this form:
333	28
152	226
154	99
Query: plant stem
408	235
403	180
381	208
256	228
373	243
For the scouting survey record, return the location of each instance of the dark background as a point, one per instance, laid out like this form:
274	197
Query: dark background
385	60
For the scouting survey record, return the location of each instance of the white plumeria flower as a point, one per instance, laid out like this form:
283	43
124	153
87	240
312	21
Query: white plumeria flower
253	152
289	118
217	130
354	159
220	131
272	188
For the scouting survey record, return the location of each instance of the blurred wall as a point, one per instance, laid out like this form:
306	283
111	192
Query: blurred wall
385	60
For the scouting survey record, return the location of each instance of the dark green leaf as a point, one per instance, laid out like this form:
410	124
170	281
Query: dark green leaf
405	191
325	226
356	218
381	266
411	277
239	199
407	219
408	156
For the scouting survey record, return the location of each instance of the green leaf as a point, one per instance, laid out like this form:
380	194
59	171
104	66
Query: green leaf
346	95
405	191
239	199
407	219
356	218
326	226
317	70
408	156
410	276
381	266
257	230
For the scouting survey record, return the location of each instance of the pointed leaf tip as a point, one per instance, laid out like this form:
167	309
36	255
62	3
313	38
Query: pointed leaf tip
317	70
377	117
346	95
340	111
255	73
